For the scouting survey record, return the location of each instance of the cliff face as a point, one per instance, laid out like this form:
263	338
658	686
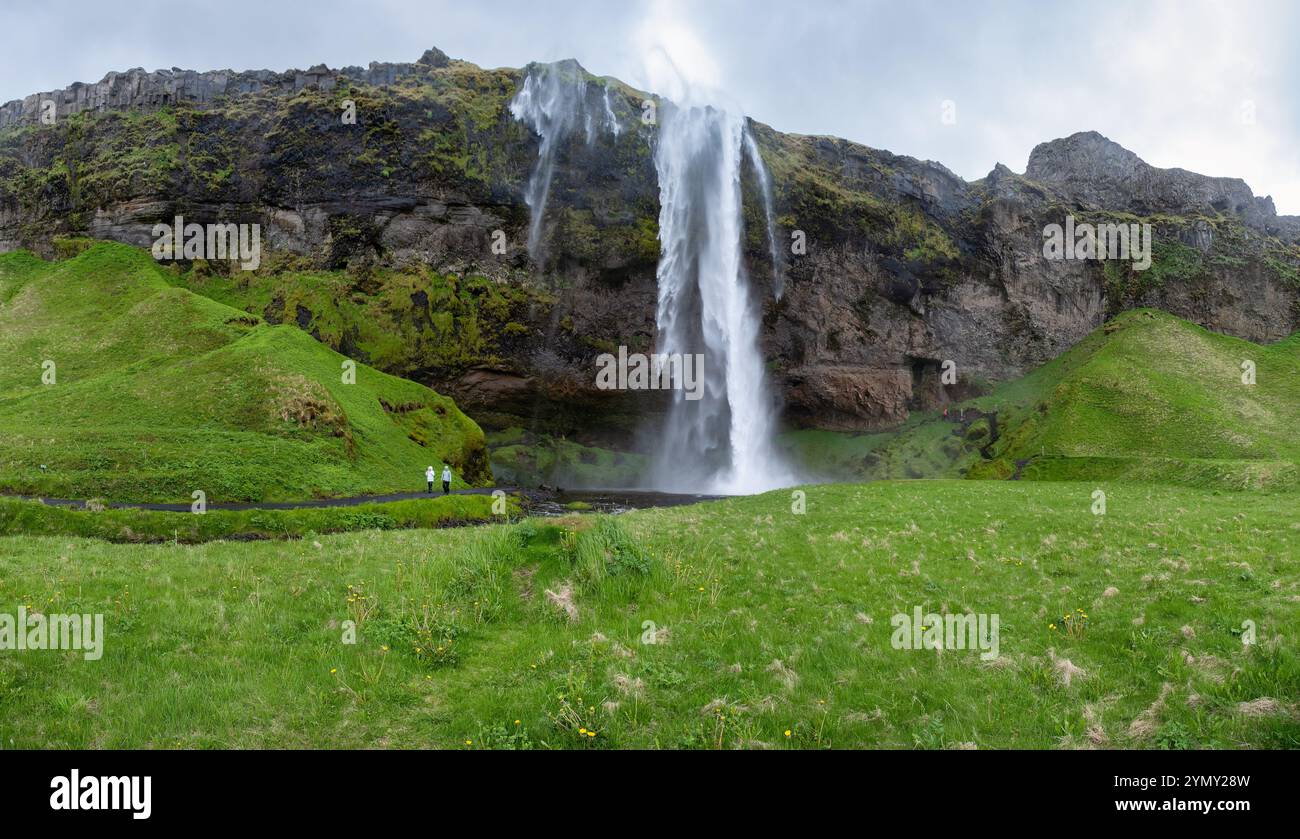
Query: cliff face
376	231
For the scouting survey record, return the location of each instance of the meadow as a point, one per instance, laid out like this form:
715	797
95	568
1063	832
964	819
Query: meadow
1168	621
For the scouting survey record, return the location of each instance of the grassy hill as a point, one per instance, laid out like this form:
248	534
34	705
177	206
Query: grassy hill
769	629
158	392
1145	397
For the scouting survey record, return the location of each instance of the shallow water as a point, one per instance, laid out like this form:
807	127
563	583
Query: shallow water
541	503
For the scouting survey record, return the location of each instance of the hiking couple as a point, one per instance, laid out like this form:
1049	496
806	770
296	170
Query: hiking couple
446	478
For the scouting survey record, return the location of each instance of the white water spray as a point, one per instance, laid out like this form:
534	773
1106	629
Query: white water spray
552	102
723	442
610	119
765	187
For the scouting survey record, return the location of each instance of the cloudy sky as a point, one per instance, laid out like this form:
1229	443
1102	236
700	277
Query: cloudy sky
1209	86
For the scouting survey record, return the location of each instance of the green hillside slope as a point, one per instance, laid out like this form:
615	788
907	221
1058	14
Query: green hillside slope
158	392
1145	397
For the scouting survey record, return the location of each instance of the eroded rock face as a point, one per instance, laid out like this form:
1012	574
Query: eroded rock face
1099	173
906	266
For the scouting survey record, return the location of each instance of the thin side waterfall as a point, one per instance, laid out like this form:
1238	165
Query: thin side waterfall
553	102
610	119
722	442
765	187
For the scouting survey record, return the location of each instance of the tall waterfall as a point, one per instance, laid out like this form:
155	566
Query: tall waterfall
724	441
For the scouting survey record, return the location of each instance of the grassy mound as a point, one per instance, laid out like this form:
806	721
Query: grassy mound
1150	396
733	624
1146	397
132	526
157	393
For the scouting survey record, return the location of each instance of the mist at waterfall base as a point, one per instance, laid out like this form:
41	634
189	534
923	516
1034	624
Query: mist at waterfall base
722	443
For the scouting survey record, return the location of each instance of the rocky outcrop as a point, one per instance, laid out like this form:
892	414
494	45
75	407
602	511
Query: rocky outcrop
906	266
1095	172
139	89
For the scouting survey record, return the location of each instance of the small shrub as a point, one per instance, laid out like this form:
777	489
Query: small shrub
525	532
429	639
624	555
268	522
510	738
366	521
1073	624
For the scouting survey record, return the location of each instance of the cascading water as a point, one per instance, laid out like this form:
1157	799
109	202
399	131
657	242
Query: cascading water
610	119
552	102
765	187
724	441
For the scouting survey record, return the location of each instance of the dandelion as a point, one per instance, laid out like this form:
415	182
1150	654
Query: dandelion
516	722
787	732
334	670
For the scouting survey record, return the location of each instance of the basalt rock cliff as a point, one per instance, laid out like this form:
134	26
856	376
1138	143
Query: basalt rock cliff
400	237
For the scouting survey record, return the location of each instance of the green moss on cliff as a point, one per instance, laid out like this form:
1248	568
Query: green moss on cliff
521	458
919	238
406	322
59	175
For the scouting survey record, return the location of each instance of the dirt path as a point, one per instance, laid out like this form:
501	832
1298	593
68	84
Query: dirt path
543	500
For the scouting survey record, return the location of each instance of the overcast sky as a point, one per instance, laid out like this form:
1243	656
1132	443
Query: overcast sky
1213	87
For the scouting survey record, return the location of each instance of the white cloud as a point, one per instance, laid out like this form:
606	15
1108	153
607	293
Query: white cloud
1164	78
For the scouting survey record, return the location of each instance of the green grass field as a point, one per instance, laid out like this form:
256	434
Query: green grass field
772	629
127	388
1166	621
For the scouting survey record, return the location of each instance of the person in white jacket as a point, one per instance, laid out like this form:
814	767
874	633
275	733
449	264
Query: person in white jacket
446	479
428	476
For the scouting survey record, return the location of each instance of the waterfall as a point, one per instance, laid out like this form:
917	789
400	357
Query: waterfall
553	102
724	441
610	119
765	187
